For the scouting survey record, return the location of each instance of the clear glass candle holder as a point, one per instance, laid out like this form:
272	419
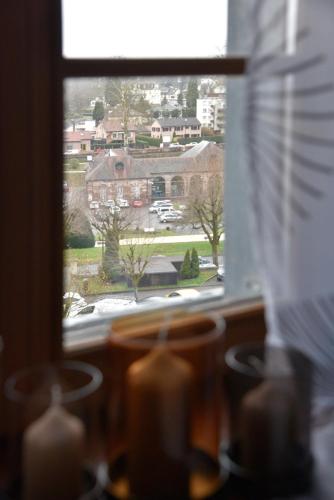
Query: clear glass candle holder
165	406
72	390
269	393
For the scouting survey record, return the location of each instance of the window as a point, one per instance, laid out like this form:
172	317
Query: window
40	282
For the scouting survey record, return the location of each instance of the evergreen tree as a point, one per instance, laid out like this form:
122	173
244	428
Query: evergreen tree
191	97
186	266
98	112
78	233
156	114
180	99
194	263
175	113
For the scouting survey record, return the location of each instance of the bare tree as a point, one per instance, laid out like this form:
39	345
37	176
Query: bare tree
205	210
113	224
121	92
135	258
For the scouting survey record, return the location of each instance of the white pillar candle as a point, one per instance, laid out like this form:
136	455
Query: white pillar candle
53	449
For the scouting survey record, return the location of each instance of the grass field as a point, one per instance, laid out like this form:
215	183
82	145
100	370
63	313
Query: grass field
93	255
97	286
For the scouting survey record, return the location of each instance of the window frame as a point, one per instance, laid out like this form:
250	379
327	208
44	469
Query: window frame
31	325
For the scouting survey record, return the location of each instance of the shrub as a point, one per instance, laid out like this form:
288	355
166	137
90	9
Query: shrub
186	272
148	140
194	264
80	240
80	234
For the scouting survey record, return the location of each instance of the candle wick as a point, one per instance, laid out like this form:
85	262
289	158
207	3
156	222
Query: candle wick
257	364
56	395
163	332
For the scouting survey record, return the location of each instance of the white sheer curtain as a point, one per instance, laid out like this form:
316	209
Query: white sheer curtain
290	130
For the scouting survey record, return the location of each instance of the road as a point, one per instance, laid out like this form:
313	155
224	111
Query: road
144	294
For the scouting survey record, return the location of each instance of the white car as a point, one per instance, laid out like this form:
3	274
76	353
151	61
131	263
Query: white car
220	273
104	306
109	203
121	202
205	263
73	303
161	203
115	209
94	205
170	217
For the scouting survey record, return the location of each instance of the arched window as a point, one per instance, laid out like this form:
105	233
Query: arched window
158	187
177	186
196	184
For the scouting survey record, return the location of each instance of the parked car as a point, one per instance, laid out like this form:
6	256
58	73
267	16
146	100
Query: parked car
165	209
157	204
109	203
94	205
121	202
184	292
73	303
137	203
115	209
106	306
170	217
220	273
205	263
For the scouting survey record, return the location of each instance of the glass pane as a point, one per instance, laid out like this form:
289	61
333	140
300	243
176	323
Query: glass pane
105	29
143	184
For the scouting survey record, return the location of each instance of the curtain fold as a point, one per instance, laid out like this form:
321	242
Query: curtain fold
290	134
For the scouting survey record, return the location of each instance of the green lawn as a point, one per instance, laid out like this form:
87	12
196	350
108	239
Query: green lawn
200	280
97	286
93	255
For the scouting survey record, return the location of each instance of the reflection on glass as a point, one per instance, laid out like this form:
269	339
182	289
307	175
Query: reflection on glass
143	191
105	29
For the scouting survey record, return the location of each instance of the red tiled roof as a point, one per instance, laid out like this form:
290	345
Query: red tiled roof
77	136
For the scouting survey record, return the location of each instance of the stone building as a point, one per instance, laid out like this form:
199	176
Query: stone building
119	175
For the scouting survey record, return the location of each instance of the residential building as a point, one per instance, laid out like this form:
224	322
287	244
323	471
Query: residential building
112	129
81	126
77	142
167	128
210	112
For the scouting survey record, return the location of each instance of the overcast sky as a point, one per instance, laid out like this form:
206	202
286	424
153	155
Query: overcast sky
143	28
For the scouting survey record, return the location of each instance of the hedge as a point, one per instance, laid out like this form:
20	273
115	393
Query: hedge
80	240
143	139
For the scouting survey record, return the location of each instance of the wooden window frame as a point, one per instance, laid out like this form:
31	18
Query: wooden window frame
31	178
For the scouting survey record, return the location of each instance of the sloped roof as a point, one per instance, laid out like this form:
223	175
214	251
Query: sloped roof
142	168
198	149
77	136
178	122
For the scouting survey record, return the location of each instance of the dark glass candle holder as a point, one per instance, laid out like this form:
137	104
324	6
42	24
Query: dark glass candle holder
165	407
269	393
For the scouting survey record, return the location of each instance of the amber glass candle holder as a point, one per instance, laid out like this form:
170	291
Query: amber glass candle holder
165	407
269	393
30	394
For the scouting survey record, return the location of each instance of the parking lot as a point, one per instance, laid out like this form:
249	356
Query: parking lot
143	219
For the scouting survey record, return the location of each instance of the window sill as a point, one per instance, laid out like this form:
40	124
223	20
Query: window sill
244	323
